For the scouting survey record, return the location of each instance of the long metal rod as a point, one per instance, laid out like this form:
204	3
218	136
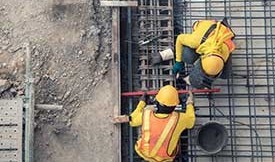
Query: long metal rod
248	72
253	107
273	81
130	78
154	92
267	68
231	102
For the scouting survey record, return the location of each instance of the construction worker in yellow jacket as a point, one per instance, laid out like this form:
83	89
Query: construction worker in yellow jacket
161	125
208	48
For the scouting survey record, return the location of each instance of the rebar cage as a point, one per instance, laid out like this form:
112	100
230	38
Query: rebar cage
246	103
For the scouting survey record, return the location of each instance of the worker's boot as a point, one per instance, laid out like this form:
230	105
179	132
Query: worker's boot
159	57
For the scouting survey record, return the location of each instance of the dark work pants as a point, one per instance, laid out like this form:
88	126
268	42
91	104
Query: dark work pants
189	56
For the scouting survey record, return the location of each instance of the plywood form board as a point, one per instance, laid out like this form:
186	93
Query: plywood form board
11	117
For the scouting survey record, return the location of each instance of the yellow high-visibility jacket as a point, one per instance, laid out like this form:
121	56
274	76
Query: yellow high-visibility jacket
185	121
193	40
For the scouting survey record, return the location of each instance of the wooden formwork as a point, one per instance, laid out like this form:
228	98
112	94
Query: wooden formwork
11	121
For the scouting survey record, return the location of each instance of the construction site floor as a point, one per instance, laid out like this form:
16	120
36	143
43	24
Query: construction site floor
70	44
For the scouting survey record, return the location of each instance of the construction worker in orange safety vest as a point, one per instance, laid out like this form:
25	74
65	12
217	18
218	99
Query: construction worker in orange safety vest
209	48
161	125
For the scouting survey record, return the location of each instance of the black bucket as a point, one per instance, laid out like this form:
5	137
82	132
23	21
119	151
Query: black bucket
212	137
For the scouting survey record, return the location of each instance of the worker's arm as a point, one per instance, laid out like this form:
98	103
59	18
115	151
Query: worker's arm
189	40
186	121
189	117
136	116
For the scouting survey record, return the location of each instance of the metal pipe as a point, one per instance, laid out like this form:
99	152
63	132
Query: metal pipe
130	78
154	92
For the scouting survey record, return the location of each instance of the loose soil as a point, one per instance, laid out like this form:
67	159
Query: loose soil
70	43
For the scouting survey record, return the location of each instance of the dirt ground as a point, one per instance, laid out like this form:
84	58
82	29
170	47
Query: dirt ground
70	42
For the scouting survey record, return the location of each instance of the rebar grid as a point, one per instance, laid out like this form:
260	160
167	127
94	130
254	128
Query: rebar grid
151	31
246	104
155	21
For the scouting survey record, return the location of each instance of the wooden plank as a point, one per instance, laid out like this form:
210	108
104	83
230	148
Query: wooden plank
48	107
68	2
121	119
119	3
29	108
155	8
116	82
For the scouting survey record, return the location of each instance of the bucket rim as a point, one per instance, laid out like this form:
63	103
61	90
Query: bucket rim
225	138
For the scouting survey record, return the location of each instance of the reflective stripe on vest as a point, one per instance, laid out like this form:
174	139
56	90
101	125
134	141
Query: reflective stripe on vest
215	41
164	134
146	131
230	44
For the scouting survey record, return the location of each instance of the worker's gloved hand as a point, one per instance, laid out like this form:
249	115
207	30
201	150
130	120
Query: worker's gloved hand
144	97
187	80
178	67
158	57
190	98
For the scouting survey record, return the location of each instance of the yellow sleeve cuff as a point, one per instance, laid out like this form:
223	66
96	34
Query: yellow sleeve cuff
141	104
178	59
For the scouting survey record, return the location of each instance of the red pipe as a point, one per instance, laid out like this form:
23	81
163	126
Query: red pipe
154	92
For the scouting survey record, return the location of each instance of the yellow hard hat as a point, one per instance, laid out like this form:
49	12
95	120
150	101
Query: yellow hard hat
168	96
212	65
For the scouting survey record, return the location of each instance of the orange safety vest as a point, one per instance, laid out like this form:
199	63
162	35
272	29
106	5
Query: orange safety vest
223	30
230	44
155	137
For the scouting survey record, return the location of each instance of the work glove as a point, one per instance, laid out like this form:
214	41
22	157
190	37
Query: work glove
190	98
158	57
187	80
144	97
178	67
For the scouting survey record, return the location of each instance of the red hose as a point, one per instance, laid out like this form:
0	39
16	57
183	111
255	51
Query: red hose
154	92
